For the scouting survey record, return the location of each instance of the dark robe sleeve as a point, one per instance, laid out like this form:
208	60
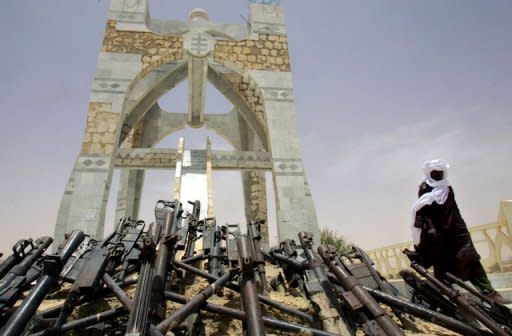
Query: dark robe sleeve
423	220
423	216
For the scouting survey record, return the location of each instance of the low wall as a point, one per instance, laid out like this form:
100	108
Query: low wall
493	241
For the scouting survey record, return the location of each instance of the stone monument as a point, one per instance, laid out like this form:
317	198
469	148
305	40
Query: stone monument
140	60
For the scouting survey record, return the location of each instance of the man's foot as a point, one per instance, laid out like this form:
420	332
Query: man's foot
496	296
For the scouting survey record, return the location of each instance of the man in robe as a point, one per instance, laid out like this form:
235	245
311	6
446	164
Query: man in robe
440	235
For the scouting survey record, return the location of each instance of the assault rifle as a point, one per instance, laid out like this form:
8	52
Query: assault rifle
368	276
462	302
99	258
214	246
285	255
424	294
149	303
20	275
500	313
378	322
191	234
52	266
321	291
253	324
254	235
19	251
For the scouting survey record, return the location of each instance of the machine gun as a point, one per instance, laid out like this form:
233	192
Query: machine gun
20	275
52	266
286	256
495	310
253	324
321	291
233	256
192	229
377	322
368	276
426	295
214	246
375	285
97	259
254	235
149	303
132	233
463	303
19	251
303	269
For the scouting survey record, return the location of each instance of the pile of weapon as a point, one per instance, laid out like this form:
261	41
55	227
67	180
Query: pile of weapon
345	288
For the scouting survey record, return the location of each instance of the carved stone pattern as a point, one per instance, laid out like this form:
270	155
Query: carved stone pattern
241	160
155	49
269	53
148	159
258	201
100	129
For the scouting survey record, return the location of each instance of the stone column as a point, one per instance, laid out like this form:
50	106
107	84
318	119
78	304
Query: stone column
253	183
131	183
295	209
85	198
255	199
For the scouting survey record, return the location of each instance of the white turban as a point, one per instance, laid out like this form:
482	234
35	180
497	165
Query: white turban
439	165
439	194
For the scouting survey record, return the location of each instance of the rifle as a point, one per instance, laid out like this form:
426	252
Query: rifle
132	233
193	305
367	275
254	235
240	315
97	258
19	251
357	297
192	229
149	303
233	256
214	241
426	314
52	266
138	320
22	274
249	295
286	256
423	293
320	290
462	302
497	311
263	299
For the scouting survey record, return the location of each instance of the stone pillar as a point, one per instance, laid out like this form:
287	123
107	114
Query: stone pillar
131	183
85	198
255	198
192	178
209	178
295	210
266	89
253	183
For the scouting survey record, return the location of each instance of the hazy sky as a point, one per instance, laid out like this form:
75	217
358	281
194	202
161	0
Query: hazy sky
380	87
